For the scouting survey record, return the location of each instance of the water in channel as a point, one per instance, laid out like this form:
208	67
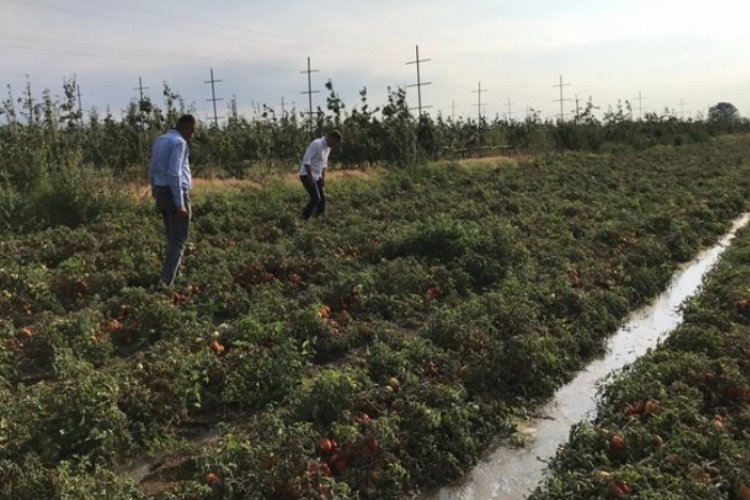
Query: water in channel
512	473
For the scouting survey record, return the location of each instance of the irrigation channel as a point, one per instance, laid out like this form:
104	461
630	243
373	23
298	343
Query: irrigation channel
509	473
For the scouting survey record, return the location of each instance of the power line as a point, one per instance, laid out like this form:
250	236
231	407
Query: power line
202	22
184	30
213	96
141	55
78	53
419	83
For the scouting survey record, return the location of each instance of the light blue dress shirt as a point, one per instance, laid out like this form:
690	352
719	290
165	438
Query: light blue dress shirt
170	166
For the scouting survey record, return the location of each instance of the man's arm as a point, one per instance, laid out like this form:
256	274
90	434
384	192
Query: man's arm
174	166
309	177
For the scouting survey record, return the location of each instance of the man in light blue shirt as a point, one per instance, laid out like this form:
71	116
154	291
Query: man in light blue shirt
169	175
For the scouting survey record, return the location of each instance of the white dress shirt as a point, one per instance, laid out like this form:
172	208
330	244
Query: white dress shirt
316	156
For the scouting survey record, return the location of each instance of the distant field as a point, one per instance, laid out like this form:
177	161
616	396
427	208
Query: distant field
372	352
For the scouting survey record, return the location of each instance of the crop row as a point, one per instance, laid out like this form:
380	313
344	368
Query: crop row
676	424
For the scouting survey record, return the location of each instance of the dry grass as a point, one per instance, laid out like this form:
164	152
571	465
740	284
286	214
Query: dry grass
203	186
200	187
360	174
489	161
206	185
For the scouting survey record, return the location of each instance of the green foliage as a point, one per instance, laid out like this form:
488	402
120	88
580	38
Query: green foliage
263	363
430	304
682	410
325	398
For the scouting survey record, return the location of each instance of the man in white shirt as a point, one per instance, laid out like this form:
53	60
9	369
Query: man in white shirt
312	172
170	179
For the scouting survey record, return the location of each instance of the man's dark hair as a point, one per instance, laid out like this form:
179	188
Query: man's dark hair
335	134
184	120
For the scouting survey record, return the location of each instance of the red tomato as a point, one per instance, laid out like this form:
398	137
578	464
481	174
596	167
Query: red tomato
324	312
615	491
617	443
651	406
211	478
325	445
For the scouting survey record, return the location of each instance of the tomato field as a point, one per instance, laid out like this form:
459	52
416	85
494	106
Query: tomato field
375	352
677	423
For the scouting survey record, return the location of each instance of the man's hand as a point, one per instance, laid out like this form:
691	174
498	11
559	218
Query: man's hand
182	211
322	182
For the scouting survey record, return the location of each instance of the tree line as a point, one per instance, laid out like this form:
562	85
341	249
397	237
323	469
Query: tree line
46	139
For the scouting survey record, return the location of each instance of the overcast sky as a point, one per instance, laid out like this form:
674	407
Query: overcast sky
685	55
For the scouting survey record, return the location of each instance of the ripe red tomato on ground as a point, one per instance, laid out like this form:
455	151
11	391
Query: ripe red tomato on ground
217	347
325	445
617	443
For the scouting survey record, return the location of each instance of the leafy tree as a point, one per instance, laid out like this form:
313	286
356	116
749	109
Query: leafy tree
723	113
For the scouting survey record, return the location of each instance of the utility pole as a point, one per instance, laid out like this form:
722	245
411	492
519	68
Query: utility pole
310	91
140	88
233	107
578	109
562	99
682	108
80	108
283	110
29	100
12	121
641	97
453	110
213	99
510	113
479	100
419	83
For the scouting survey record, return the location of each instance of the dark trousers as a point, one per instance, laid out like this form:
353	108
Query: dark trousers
176	229
317	201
